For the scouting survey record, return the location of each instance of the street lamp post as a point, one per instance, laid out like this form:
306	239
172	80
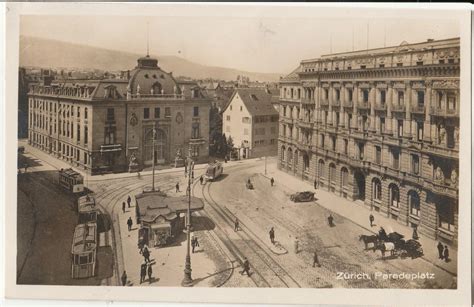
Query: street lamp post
153	162
187	280
265	165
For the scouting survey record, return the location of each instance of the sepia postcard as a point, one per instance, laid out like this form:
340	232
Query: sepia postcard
238	153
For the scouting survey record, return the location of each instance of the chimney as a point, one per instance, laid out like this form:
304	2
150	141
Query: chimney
429	40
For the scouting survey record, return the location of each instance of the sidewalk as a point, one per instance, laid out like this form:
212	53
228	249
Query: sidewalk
359	214
58	164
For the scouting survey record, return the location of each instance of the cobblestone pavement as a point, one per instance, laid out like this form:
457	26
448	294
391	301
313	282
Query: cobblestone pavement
338	247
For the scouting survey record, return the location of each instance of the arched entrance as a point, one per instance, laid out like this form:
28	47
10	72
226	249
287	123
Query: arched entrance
290	158
359	185
376	193
305	165
344	182
160	146
332	177
295	158
320	174
414	205
282	158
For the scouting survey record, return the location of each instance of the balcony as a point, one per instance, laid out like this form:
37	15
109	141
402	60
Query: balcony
287	120
363	105
398	108
445	112
380	106
197	141
110	148
441	188
348	104
416	109
305	124
305	146
324	102
336	103
309	101
442	150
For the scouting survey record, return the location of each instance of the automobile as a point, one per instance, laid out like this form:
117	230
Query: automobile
302	197
21	149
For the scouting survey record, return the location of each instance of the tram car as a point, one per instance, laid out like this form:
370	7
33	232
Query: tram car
84	250
214	170
71	180
87	209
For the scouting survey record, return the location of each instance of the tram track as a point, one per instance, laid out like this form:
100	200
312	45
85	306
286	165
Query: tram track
268	272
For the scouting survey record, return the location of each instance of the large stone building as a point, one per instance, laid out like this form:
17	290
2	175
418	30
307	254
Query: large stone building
107	125
251	121
380	126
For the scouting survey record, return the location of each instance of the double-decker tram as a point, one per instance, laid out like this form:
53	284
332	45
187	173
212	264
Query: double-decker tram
84	250
71	180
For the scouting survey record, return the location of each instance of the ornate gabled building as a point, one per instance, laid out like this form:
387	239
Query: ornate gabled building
379	126
107	125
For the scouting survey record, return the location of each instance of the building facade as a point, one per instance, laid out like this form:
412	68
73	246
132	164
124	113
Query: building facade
108	125
381	127
251	121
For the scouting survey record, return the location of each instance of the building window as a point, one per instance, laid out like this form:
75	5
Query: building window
395	158
78	111
109	135
419	131
78	134
334	142
86	135
414	203
450	136
167	112
195	131
361	151
362	66
326	93
382	125
421	99
419	63
146	113
451	61
451	101
85	113
157	112
415	164
381	65
377	189
399	64
394	196
110	114
441	61
196	111
378	155
227	118
400	128
322	140
400	98
246	120
346	146
365	94
446	212
382	97
230	107
338	95
195	151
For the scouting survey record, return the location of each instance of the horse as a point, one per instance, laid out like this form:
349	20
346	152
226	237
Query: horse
368	239
386	247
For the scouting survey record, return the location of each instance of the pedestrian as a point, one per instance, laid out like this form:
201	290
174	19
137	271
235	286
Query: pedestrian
142	272
272	235
225	159
26	167
146	254
124	278
246	266
129	223
192	175
315	184
297	243
272	181
371	219
129	200
123	207
236	224
177	187
446	253
193	244
188	189
138	175
330	220
316	260
440	250
201	180
415	236
150	272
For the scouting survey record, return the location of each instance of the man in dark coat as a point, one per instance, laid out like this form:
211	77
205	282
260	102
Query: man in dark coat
272	181
150	272
124	278
246	267
316	260
142	272
177	187
371	219
440	250
330	220
129	223
129	200
236	224
146	254
446	253
201	180
272	235
193	243
123	207
315	184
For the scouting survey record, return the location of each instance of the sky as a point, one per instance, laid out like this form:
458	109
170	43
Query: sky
258	44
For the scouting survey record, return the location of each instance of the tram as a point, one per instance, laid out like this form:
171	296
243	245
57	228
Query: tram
71	180
84	250
87	209
214	170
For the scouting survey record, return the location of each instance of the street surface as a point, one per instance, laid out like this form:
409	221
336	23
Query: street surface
45	226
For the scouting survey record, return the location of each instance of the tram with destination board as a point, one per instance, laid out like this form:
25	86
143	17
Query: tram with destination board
84	250
71	180
214	170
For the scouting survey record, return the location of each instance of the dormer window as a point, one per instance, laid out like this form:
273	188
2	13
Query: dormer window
154	76
253	97
162	76
146	76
